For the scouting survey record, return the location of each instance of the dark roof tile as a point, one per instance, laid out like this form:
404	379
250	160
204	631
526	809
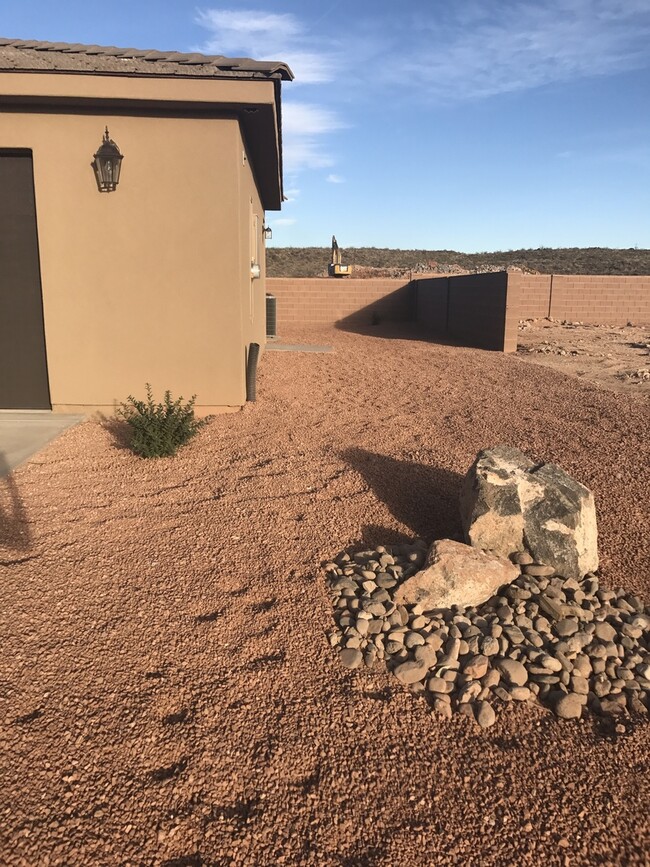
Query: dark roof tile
21	54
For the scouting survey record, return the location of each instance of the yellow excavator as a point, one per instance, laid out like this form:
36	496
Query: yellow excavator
335	269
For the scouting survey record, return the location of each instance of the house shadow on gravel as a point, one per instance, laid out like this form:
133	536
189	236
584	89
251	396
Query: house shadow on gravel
14	524
424	497
395	331
395	316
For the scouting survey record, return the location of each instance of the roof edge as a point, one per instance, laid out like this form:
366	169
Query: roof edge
234	66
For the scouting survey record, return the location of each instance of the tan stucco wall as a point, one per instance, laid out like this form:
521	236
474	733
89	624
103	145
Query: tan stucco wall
145	283
251	221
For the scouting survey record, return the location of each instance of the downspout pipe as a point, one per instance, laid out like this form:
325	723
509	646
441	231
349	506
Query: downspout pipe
251	371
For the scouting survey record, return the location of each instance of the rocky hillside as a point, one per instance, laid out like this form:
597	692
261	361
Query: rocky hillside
382	262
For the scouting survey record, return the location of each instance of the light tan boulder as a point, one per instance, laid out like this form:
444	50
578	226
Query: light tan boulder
455	574
510	504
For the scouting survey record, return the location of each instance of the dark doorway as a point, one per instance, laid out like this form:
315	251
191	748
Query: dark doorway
23	365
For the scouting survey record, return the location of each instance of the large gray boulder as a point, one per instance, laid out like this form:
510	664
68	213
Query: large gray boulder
455	574
510	504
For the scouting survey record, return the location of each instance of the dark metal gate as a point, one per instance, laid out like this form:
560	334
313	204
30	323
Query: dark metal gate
23	364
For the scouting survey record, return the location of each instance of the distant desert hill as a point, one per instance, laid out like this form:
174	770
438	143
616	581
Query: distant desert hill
383	262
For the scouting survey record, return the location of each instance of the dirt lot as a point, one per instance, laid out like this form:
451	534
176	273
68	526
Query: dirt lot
611	356
167	693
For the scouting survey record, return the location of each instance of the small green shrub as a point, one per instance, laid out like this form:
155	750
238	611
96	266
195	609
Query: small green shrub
159	429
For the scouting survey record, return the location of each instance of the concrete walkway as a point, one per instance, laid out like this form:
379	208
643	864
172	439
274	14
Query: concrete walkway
296	347
23	433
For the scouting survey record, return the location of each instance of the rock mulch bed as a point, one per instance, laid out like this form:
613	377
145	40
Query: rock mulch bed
563	642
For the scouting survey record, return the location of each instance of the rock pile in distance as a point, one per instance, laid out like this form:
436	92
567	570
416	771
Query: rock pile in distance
564	642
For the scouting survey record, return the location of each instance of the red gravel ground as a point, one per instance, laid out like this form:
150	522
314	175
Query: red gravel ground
168	693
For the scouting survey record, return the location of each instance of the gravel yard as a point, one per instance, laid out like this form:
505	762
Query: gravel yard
168	693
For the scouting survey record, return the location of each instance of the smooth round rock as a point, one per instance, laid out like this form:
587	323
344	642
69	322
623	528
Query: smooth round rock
600	685
491	678
362	627
579	685
513	671
534	638
550	663
476	667
522	558
489	646
374	608
393	647
569	707
484	713
605	631
434	641
439	685
514	634
469	692
426	655
566	627
504	613
410	671
538	570
351	657
442	707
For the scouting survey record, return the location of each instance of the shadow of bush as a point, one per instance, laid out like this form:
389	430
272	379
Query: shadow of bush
119	430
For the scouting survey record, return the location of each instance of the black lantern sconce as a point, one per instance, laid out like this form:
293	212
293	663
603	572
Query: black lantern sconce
267	233
107	165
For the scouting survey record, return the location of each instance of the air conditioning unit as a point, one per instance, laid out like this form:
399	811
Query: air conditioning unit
271	316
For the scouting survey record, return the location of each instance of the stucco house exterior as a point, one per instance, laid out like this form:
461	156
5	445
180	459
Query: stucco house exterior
160	279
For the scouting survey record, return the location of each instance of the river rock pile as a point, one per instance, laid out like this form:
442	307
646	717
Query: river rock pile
562	641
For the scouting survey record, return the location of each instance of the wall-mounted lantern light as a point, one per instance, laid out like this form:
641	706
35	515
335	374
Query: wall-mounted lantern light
267	233
107	164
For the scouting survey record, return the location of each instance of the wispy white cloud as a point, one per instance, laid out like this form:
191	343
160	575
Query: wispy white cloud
305	118
314	60
479	48
267	35
304	125
335	179
632	154
283	221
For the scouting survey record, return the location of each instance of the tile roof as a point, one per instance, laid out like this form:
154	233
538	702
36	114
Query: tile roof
28	55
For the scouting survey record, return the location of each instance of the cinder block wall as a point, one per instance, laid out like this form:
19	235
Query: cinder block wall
473	309
480	310
605	300
594	299
533	294
329	300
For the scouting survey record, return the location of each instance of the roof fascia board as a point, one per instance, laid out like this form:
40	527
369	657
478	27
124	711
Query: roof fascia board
149	88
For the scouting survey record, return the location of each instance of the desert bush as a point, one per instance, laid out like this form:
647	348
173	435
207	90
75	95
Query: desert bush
159	429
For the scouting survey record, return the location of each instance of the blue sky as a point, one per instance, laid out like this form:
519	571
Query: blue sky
471	125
